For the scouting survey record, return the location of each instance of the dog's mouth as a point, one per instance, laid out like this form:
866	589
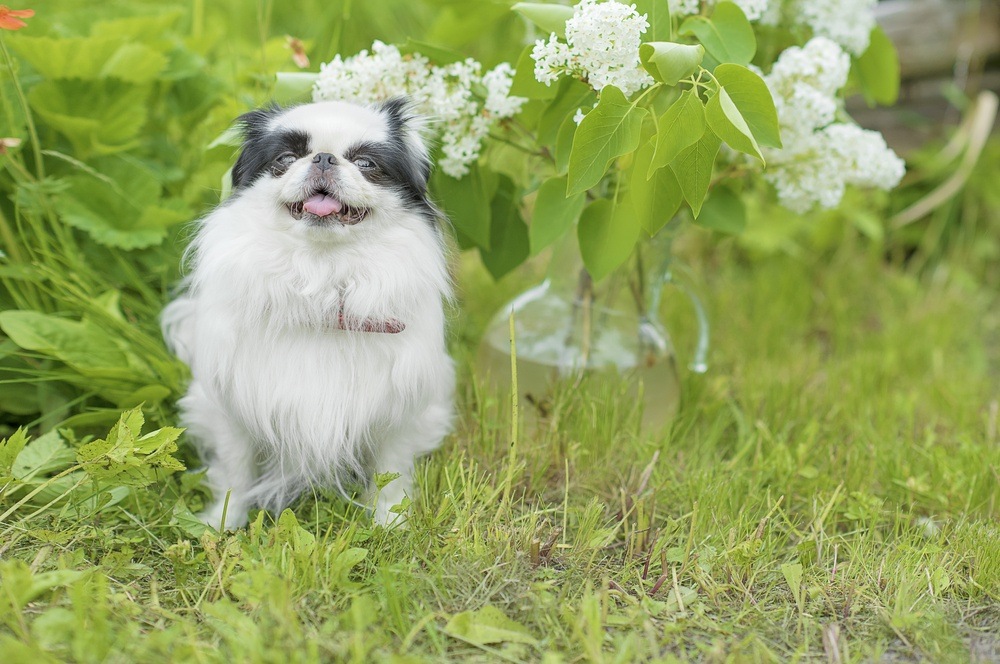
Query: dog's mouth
323	206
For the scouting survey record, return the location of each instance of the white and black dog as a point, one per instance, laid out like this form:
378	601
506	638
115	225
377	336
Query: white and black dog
312	316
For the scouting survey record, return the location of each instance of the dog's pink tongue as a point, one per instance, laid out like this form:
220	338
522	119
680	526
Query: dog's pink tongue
321	205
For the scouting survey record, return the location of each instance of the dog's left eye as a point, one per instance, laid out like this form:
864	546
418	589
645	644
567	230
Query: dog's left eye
364	163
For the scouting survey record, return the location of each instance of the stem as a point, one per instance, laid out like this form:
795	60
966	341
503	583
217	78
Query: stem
32	133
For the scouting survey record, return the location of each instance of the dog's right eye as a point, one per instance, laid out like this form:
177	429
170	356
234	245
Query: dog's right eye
285	159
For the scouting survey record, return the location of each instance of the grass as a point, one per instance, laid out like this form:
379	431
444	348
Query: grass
830	491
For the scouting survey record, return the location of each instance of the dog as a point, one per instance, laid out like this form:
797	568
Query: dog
312	314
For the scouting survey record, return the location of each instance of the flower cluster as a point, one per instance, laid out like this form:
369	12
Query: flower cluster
602	47
847	22
821	156
754	9
444	94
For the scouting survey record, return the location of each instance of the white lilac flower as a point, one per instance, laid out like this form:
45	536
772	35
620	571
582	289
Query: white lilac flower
847	22
444	94
602	47
684	7
821	157
753	9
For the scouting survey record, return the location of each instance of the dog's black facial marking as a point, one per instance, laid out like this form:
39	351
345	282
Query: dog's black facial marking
264	150
392	164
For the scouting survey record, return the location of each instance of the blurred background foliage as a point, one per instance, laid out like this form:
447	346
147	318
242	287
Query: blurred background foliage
128	99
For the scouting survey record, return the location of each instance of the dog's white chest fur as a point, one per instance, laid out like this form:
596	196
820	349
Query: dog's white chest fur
317	351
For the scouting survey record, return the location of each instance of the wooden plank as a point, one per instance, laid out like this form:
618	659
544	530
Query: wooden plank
933	36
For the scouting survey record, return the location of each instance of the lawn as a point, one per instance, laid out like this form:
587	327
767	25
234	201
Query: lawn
828	491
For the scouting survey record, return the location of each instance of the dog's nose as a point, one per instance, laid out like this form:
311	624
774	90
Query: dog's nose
324	161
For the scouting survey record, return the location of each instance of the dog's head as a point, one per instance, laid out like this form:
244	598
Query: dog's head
334	165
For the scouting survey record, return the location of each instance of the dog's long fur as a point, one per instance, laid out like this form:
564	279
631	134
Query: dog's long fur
282	398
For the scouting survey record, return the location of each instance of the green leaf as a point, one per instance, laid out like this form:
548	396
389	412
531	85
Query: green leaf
293	87
723	211
525	84
43	456
729	125
82	345
554	213
609	131
654	200
877	70
466	201
508	233
658	14
98	117
10	448
607	233
678	128
125	458
436	54
793	577
564	144
90	58
124	209
571	95
752	97
134	63
487	625
693	168
727	35
549	17
669	62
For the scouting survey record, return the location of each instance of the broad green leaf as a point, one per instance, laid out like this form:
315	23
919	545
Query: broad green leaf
525	84
678	128
607	233
90	58
571	95
877	70
723	211
693	168
669	62
98	117
436	54
466	201
144	28
610	130
486	626
753	99
554	213
508	232
727	35
124	210
549	17
134	63
729	125
655	200
293	87
82	345
43	456
658	14
564	144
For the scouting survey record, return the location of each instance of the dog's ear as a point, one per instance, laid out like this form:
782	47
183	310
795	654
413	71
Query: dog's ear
253	126
406	123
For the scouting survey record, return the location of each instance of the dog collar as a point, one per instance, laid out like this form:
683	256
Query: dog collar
387	326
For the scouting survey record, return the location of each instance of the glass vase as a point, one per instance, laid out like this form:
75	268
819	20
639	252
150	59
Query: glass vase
569	327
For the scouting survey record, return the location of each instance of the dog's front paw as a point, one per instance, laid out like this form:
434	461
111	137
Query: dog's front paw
223	517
